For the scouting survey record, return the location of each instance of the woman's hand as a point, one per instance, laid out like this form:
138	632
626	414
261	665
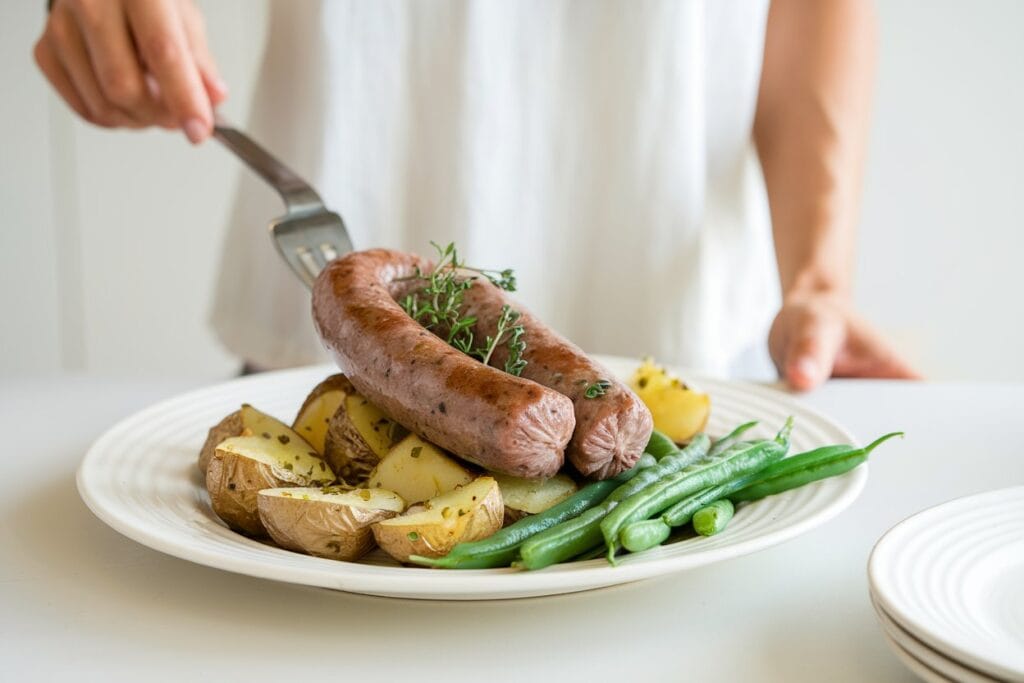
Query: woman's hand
817	336
132	63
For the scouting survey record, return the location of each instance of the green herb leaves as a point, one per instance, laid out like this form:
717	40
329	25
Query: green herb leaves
438	307
598	388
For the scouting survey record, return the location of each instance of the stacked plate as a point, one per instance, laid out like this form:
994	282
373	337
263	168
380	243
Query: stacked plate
948	587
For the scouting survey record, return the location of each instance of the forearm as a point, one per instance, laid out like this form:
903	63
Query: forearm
810	130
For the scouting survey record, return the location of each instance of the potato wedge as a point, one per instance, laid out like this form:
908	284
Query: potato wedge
332	522
418	470
246	421
358	436
314	416
468	513
241	466
678	411
529	496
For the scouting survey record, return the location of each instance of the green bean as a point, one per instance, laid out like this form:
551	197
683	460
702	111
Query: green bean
500	548
660	445
569	539
712	519
648	533
820	463
670	464
731	438
576	536
646	460
737	460
790	472
683	511
644	534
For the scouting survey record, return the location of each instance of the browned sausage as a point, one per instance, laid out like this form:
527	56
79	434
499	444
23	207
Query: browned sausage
504	423
612	429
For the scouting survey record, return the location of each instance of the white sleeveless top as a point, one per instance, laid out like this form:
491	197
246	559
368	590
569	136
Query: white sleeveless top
601	149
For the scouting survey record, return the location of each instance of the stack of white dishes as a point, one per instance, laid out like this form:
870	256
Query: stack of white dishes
948	587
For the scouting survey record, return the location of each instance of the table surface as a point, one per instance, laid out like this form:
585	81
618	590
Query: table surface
79	599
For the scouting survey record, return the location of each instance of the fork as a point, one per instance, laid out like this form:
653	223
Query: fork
308	236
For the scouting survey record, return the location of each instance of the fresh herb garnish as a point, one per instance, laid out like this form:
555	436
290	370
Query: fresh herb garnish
597	388
438	307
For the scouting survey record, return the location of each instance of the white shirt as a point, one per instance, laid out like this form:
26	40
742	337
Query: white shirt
602	149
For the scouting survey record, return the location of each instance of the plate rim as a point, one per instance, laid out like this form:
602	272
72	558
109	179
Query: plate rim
935	658
934	639
561	579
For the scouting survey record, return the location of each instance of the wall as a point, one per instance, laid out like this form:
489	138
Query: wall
111	240
942	228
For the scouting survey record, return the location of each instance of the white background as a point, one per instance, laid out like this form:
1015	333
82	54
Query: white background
111	240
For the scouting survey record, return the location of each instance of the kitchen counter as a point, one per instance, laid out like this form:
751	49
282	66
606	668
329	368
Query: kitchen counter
80	601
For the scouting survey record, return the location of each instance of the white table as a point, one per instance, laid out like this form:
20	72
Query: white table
77	600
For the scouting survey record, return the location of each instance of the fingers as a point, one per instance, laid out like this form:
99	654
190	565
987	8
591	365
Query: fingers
161	39
132	63
51	67
811	341
867	354
811	350
113	59
67	44
195	31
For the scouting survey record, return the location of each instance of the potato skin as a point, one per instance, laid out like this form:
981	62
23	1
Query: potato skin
436	540
233	481
346	451
230	426
319	528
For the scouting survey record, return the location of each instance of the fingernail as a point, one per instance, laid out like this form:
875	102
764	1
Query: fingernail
807	368
195	130
220	85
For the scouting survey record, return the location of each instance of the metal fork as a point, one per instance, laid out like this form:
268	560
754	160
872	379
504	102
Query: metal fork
308	236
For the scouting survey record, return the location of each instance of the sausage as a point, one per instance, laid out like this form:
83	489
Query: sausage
504	423
612	429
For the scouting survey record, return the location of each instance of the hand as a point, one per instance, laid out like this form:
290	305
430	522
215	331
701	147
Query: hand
132	63
817	336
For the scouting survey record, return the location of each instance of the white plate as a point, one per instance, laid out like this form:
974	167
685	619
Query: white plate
141	479
934	660
953	576
920	669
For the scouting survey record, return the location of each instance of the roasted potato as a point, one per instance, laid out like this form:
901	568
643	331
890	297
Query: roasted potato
417	470
468	513
524	497
332	522
314	416
678	411
246	421
358	436
243	465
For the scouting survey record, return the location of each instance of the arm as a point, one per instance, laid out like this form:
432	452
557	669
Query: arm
132	63
810	130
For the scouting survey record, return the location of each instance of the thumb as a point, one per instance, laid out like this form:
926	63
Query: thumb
812	350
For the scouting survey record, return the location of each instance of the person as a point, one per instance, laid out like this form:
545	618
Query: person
634	162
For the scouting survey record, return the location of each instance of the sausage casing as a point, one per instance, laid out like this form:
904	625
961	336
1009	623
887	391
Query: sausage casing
507	424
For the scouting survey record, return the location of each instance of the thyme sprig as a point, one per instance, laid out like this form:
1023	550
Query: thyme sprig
598	388
438	307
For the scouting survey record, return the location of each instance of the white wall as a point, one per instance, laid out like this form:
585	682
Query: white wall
110	241
942	234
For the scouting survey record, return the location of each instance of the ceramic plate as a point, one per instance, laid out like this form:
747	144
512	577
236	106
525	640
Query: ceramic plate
935	661
141	479
953	576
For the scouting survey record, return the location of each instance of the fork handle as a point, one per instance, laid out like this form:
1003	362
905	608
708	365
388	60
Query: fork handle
297	194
